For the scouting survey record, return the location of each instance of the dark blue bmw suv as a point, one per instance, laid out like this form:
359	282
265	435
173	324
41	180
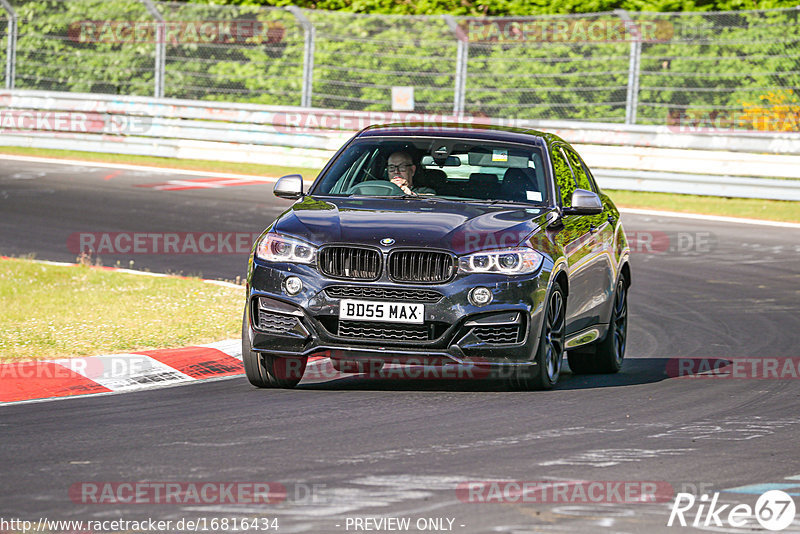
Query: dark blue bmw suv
478	245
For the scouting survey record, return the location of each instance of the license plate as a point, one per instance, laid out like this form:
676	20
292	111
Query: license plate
394	312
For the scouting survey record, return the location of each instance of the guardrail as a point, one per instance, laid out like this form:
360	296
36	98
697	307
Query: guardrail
641	158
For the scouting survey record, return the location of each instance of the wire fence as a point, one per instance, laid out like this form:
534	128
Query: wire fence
4	49
646	68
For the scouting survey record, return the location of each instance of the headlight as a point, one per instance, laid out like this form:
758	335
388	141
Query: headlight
505	261
275	247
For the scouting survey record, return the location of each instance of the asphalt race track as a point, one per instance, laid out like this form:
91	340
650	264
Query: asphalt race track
370	448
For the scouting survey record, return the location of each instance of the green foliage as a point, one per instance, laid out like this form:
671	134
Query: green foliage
502	8
54	50
691	61
716	64
358	60
264	68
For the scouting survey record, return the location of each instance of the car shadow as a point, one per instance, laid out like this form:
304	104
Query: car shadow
635	371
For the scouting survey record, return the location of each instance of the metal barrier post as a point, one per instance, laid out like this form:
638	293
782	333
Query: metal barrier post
634	62
161	46
309	34
11	51
462	56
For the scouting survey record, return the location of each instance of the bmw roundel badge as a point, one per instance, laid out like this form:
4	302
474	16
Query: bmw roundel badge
386	241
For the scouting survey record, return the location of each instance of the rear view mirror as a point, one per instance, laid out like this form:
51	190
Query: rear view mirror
451	161
584	203
289	186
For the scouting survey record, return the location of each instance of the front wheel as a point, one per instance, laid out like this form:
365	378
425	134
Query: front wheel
268	370
550	352
607	355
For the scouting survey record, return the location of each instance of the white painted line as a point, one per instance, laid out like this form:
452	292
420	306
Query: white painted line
56	263
140	273
796	477
163	170
126	372
221	283
717	218
231	347
129	372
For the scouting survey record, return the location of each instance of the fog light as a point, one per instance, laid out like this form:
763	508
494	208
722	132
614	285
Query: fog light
292	285
480	296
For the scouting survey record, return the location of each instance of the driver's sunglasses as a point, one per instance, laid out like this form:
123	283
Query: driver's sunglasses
399	168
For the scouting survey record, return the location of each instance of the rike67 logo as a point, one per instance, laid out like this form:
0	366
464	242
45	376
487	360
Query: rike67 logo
774	510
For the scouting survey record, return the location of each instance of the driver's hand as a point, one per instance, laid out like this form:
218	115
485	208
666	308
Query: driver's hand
402	183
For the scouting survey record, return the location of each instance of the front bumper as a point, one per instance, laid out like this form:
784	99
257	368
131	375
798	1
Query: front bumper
504	332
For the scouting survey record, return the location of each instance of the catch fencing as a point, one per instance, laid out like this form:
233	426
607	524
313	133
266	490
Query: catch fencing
619	67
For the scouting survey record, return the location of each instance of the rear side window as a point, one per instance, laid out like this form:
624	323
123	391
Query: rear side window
579	170
591	177
564	177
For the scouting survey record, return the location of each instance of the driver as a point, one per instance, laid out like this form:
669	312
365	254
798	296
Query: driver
401	173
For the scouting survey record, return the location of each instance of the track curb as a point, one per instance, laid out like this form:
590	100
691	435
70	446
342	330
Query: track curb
35	381
40	380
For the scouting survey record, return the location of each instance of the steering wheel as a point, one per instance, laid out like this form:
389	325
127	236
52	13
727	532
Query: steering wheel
376	188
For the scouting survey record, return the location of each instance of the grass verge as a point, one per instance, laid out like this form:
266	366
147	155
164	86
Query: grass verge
53	311
749	208
773	210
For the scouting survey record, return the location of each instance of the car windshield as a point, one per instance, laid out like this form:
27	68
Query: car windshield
453	169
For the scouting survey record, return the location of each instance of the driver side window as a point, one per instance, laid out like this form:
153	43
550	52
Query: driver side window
367	169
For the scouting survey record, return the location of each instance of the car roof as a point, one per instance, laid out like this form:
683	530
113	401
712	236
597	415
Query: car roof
461	130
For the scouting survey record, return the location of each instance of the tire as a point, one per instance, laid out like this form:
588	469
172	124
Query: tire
268	370
550	351
606	357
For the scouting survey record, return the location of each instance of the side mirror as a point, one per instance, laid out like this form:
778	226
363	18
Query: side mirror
290	186
584	203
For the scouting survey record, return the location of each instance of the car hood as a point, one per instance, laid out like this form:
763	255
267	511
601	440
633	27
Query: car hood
455	226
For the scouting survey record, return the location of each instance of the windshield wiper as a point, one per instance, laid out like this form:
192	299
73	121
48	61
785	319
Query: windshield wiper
402	197
497	201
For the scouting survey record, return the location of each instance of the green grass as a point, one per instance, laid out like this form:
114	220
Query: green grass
52	311
774	210
750	208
